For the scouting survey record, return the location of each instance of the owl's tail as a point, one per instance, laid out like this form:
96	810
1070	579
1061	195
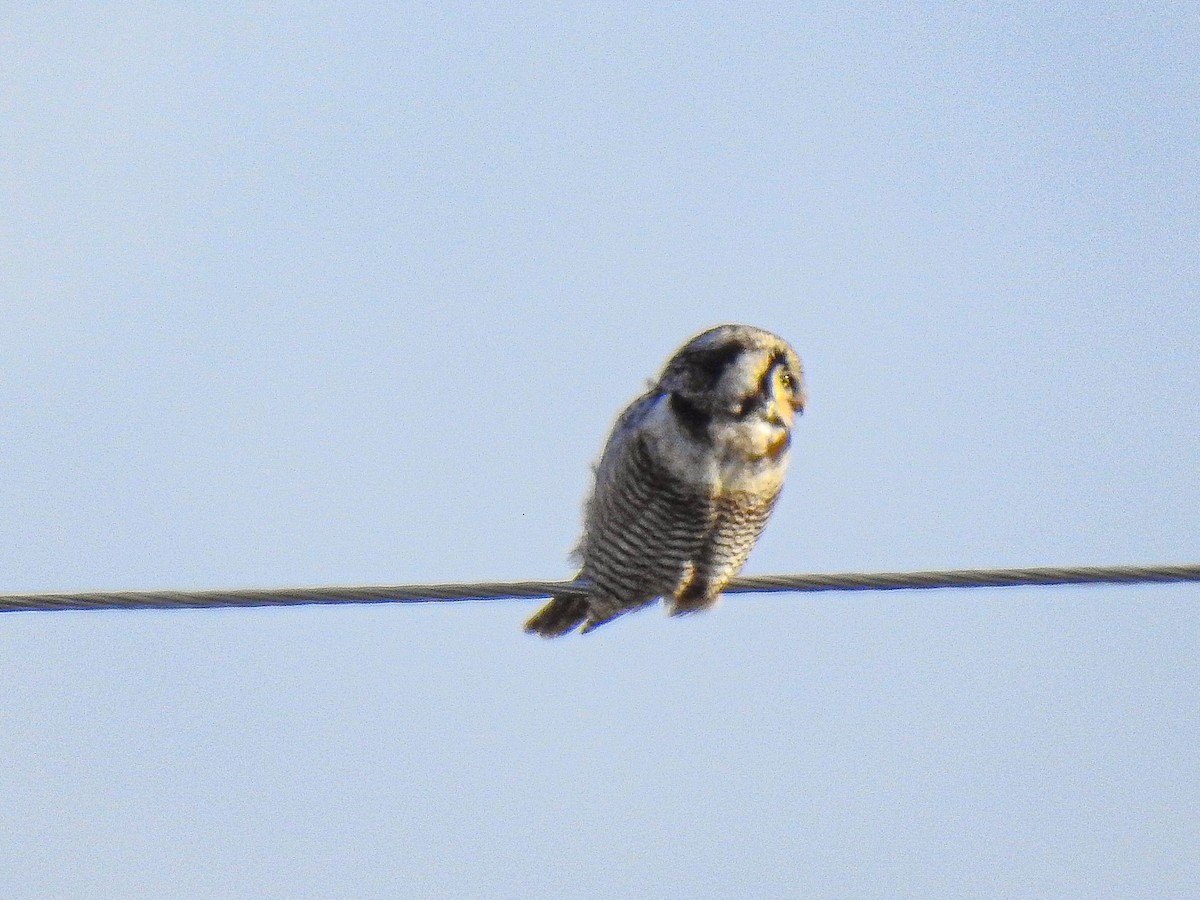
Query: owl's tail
562	615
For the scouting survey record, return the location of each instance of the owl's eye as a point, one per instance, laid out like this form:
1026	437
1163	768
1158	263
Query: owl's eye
785	379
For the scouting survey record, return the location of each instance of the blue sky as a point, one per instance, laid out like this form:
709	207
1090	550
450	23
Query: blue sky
303	294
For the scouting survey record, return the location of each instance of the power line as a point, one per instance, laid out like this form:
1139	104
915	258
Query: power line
512	590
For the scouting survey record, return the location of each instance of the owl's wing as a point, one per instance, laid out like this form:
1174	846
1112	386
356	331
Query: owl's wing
644	527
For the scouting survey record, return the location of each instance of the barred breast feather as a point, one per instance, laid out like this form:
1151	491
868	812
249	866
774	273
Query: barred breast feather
740	518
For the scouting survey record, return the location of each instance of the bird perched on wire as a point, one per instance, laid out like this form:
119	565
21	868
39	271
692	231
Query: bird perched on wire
687	480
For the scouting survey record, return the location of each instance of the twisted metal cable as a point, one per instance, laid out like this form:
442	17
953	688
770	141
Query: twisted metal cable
440	593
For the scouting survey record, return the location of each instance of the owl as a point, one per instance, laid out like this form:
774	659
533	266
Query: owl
686	481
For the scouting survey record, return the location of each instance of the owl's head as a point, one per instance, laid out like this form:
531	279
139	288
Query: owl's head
734	373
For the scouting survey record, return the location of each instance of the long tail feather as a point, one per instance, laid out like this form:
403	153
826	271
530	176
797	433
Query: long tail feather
560	616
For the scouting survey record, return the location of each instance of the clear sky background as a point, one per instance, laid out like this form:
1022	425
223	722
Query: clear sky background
299	294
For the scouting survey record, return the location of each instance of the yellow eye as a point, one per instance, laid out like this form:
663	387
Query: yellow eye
786	380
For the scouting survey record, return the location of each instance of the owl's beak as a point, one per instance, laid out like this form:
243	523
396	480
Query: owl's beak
798	403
